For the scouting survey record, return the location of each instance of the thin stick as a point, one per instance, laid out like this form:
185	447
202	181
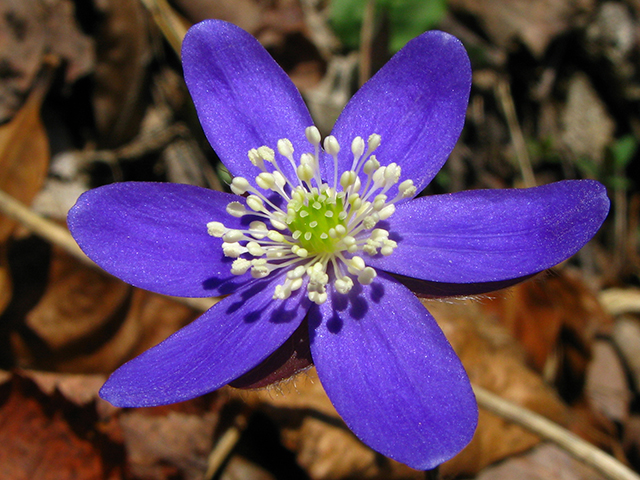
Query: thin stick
503	93
170	23
545	428
42	227
367	33
225	445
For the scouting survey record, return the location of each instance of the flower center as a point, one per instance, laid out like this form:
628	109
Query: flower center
320	229
313	218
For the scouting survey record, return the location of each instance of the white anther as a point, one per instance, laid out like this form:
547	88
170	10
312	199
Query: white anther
240	266
313	135
370	221
232	250
355	265
285	147
266	181
379	234
317	297
308	159
236	209
378	176
367	275
388	248
267	154
331	145
406	189
379	202
296	283
343	285
255	249
373	141
297	272
216	229
258	229
387	211
240	185
259	268
392	174
347	179
275	236
357	147
282	292
232	236
255	203
371	165
255	159
279	179
305	172
349	240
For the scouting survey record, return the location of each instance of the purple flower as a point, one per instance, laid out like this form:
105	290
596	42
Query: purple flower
318	248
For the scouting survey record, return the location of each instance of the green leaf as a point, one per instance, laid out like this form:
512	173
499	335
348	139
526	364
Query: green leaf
623	151
407	19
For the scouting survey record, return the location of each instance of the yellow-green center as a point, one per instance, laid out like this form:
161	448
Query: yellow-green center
316	221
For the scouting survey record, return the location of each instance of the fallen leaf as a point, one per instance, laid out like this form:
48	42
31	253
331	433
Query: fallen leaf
30	30
24	152
555	319
89	322
544	462
45	436
533	23
24	159
172	445
123	53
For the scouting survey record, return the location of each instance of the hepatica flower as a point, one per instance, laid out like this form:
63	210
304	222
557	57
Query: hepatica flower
322	241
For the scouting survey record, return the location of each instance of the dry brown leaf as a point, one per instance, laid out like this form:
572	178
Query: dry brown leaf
606	386
123	53
24	160
544	462
247	14
534	23
172	445
44	436
556	320
89	322
24	152
29	30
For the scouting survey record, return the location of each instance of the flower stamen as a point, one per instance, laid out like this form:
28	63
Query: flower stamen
318	230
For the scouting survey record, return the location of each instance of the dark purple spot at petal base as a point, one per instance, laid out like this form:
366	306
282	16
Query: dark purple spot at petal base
291	358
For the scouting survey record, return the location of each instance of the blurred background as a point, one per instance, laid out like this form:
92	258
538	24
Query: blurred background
91	92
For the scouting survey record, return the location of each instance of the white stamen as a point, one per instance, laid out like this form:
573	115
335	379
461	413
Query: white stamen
314	231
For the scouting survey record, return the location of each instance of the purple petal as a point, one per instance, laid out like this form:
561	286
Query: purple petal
493	235
154	236
243	98
227	341
392	375
416	102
